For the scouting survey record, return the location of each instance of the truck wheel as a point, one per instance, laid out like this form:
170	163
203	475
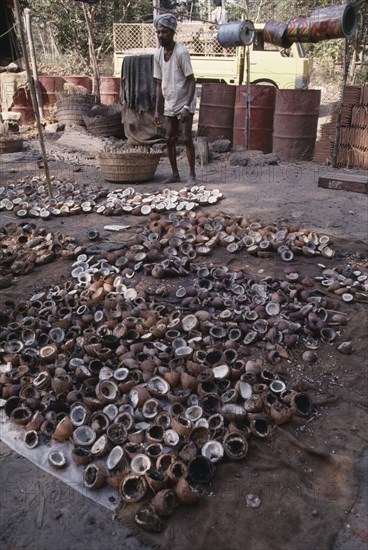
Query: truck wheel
265	81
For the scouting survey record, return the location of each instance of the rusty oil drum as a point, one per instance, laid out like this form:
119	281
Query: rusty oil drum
50	87
295	124
109	90
262	108
22	103
216	111
80	80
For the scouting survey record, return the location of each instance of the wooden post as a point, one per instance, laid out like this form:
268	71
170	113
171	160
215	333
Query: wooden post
32	54
247	103
203	150
89	16
33	95
335	151
156	8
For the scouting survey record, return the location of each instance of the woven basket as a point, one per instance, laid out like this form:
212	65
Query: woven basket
71	109
128	167
104	121
10	145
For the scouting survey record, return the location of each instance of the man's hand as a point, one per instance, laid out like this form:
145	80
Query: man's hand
184	115
157	118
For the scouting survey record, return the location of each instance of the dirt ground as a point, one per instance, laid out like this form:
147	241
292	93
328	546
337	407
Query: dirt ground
38	511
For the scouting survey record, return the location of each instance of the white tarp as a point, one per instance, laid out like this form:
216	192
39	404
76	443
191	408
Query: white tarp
72	475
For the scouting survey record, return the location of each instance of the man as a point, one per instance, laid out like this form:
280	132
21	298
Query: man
175	93
219	15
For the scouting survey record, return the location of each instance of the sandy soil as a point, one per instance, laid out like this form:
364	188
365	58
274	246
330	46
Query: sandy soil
39	512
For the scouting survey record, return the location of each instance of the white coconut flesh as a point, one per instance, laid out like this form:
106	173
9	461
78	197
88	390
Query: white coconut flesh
57	458
245	390
78	416
115	457
99	445
171	437
213	450
84	435
220	372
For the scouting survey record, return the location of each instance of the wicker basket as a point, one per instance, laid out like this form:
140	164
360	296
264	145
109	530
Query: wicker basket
72	108
10	145
104	121
128	167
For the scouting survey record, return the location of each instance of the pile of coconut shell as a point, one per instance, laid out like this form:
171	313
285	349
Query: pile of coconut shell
29	197
155	385
24	246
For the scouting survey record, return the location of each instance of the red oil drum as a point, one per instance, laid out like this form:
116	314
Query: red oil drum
216	112
109	90
80	80
295	124
262	108
22	103
50	87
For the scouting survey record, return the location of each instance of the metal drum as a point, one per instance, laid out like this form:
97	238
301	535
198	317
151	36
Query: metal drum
80	80
323	24
238	33
274	32
109	90
216	112
298	30
295	124
50	87
262	108
333	22
22	103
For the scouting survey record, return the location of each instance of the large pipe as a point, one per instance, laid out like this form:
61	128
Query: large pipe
323	24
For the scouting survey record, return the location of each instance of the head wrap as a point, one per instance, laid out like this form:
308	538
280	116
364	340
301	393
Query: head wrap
166	20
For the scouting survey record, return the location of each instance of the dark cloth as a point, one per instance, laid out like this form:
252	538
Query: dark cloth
137	83
10	49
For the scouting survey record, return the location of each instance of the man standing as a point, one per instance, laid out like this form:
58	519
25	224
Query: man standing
175	93
219	14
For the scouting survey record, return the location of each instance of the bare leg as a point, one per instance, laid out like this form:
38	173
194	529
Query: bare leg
189	146
172	128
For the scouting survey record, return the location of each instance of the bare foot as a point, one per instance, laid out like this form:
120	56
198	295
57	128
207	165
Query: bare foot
191	180
172	179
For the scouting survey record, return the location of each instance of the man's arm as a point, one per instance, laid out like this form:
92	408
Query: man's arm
159	102
191	91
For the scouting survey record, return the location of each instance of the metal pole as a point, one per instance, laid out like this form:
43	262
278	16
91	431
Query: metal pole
33	96
32	53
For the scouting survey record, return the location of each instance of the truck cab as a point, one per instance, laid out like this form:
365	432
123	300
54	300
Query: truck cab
269	64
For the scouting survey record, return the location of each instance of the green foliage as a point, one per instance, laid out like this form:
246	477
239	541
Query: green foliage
60	27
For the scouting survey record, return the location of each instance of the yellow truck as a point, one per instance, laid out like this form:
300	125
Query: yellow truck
269	64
